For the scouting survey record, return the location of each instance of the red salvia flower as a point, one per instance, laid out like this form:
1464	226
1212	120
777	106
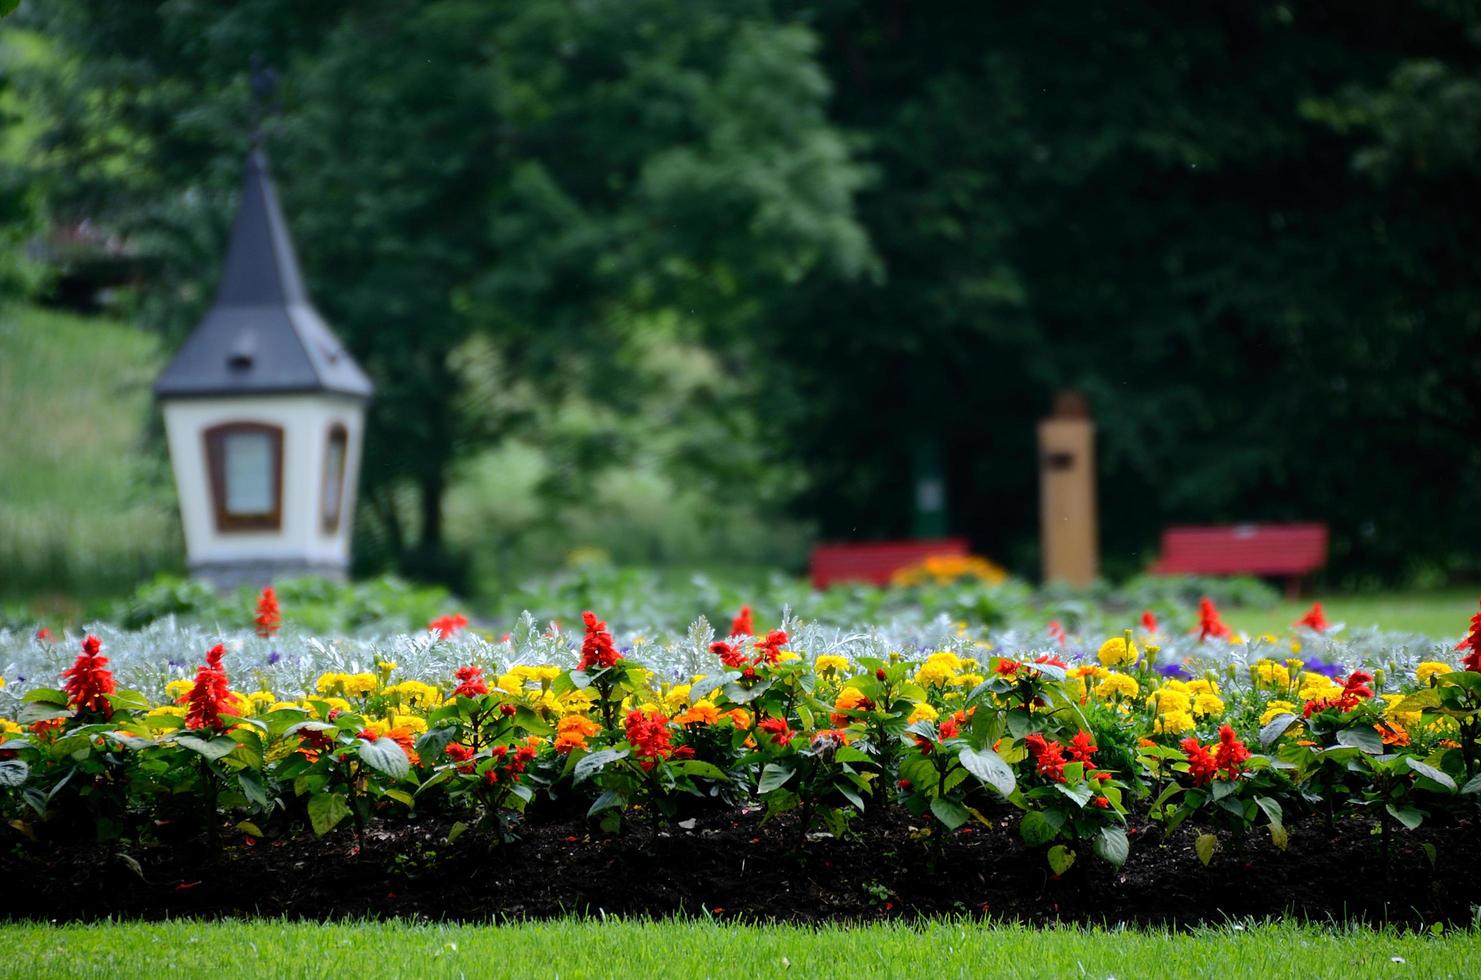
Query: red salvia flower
649	735
445	626
1314	619
1048	756
268	619
1149	621
1051	660
597	649
778	729
741	624
770	649
1006	667
1083	746
1472	660
1201	764
462	755
470	682
1231	754
1209	623
89	680
208	697
729	655
44	635
1056	632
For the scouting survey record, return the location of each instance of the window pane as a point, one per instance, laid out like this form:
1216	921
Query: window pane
334	478
249	473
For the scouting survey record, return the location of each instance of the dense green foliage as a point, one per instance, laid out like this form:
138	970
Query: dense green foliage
592	948
767	253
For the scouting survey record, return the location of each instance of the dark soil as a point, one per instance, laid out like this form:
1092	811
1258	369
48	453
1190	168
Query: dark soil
729	866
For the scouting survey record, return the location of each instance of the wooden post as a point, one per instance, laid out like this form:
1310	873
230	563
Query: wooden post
1067	513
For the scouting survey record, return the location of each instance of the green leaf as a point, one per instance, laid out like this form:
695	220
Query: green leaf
1274	729
384	756
45	695
1363	739
1408	815
949	812
41	711
1037	828
13	772
1430	772
1112	846
128	701
741	694
707	685
1473	785
1205	846
1278	836
772	777
248	827
849	794
456	831
698	767
607	801
1273	811
254	790
1080	793
1060	858
401	796
990	768
326	810
213	749
591	764
1418	701
129	741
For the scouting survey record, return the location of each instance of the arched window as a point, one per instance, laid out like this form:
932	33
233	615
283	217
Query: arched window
335	452
245	463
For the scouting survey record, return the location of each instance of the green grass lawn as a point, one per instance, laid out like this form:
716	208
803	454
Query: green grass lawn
84	509
1442	614
708	949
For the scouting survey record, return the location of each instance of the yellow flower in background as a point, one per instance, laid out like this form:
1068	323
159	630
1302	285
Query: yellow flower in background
412	723
1426	672
830	665
1117	685
922	712
336	704
967	680
677	697
1268	673
359	685
167	711
939	669
2	683
1174	723
1200	686
787	657
8	727
260	702
386	666
175	690
1116	652
1315	687
1275	709
330	683
415	694
1171	700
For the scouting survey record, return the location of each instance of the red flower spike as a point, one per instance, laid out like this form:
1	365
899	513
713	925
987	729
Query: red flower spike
446	626
208	697
1201	764
1231	754
470	682
89	681
1472	660
741	625
1209	623
268	619
1149	621
1083	746
597	649
1314	619
649	735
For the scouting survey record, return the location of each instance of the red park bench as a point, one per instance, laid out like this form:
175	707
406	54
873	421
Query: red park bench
876	561
1286	551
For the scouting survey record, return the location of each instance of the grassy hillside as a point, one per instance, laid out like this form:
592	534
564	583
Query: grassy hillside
86	503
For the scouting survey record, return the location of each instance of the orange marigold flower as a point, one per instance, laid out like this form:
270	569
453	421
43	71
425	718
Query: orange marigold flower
849	699
1392	733
699	714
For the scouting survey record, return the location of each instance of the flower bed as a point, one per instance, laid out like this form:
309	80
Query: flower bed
998	770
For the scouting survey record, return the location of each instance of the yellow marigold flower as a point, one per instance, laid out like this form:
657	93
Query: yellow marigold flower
175	690
1268	673
1171	700
8	727
416	694
849	699
1275	709
1174	723
829	665
412	723
1207	704
378	725
1426	672
1314	687
330	683
1117	685
1201	685
386	666
922	712
2	683
167	711
336	703
1116	652
787	657
545	675
359	685
261	701
677	697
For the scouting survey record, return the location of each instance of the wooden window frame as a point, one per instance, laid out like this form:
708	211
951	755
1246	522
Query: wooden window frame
215	446
331	526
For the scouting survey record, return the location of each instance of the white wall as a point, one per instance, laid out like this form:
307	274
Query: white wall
306	421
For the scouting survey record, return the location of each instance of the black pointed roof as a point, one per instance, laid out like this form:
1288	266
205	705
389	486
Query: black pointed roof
262	335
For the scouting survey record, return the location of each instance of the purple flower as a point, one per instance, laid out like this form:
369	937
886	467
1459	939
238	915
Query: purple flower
273	658
1175	670
176	663
1326	669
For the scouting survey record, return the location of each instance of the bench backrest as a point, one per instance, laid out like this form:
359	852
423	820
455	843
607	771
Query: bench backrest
876	561
1233	549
